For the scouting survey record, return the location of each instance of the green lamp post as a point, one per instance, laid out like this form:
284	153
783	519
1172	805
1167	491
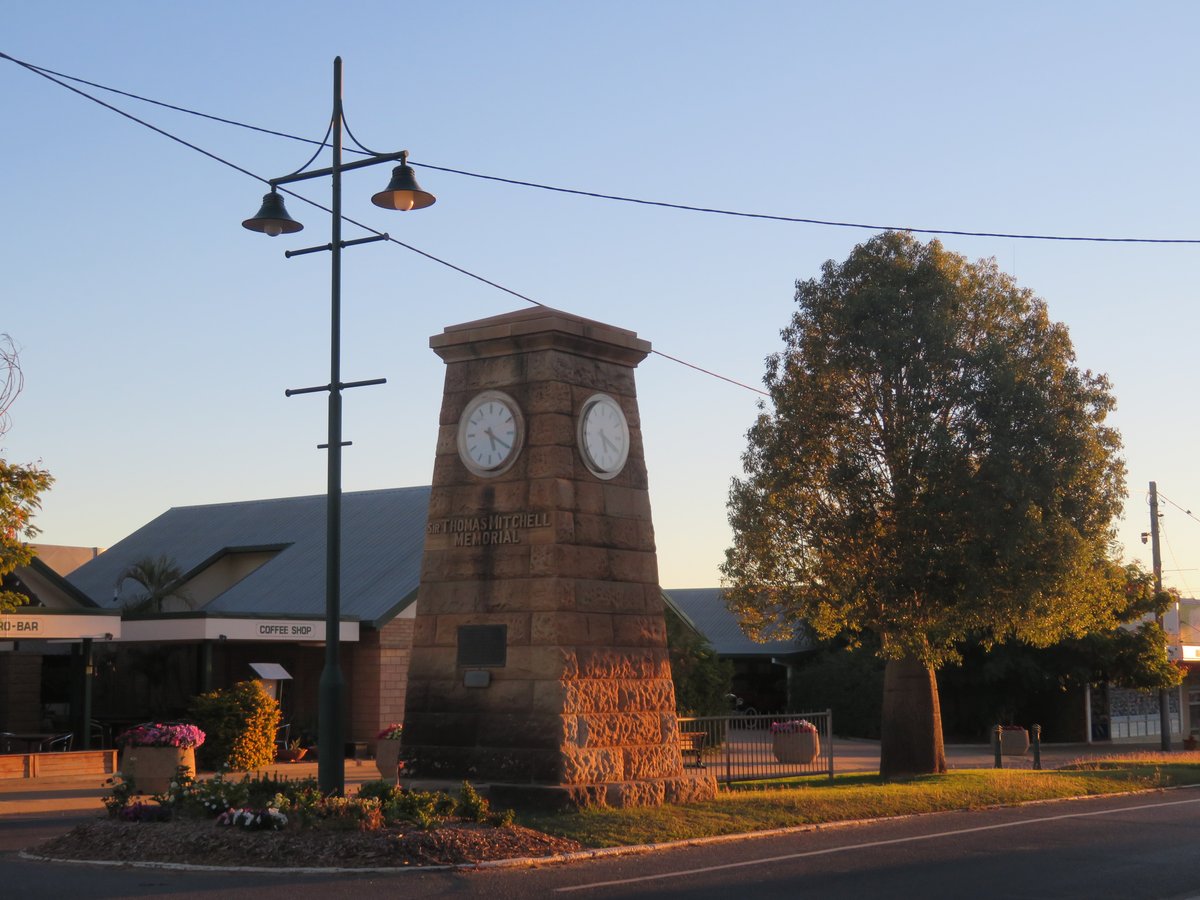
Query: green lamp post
272	219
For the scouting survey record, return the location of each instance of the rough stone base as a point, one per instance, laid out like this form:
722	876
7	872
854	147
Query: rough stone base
651	792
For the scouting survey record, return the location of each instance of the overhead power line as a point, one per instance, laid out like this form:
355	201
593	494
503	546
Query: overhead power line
598	195
55	76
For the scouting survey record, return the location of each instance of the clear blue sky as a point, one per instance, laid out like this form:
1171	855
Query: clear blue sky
158	336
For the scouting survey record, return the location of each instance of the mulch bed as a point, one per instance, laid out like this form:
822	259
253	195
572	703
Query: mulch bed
201	842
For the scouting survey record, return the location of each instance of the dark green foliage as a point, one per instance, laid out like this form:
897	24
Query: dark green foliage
848	681
702	681
933	468
240	725
160	579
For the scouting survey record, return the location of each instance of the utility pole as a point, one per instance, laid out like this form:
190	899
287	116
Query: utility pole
1164	708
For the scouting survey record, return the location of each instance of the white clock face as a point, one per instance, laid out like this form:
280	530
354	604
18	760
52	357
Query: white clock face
490	433
603	436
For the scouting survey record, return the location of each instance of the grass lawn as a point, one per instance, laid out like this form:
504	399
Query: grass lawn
761	806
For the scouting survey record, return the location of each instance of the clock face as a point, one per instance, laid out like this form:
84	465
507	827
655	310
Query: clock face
603	436
490	433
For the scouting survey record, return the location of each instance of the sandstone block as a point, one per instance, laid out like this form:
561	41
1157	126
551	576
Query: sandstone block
550	462
593	595
540	662
638	631
626	502
571	629
551	429
590	766
605	531
549	397
618	729
589	495
652	762
630	565
590	696
551	493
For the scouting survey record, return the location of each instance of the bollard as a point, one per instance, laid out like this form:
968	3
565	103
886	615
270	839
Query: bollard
1037	746
996	734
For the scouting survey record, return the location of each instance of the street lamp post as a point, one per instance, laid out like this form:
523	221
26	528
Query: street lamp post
272	219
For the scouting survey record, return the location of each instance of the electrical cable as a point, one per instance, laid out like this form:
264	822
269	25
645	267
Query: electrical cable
50	77
1186	512
830	223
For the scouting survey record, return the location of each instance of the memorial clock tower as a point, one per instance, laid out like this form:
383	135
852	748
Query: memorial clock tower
539	662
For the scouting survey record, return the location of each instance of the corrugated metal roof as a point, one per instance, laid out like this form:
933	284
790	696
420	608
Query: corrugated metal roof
707	610
383	536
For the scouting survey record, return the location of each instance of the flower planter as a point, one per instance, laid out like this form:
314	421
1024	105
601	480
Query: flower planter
799	747
153	768
1014	742
288	755
387	759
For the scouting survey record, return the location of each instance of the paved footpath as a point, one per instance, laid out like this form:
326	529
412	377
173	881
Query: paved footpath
82	794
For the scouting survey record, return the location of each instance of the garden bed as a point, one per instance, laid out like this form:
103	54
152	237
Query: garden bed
200	842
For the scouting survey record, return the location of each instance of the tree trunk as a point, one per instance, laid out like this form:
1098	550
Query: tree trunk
911	732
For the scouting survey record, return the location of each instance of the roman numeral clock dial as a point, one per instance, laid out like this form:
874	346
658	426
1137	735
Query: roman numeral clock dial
490	433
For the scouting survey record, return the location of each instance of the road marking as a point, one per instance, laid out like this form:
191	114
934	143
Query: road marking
848	847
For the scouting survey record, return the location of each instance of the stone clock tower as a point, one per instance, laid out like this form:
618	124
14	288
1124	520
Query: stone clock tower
539	661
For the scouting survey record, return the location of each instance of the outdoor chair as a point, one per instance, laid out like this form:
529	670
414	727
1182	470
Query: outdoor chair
59	744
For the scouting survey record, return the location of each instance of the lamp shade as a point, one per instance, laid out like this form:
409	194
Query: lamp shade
272	218
403	192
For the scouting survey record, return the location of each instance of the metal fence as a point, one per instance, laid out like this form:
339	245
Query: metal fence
746	748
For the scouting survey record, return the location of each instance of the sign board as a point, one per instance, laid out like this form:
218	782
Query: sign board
210	628
49	625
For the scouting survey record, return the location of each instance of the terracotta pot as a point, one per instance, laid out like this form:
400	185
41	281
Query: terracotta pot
387	760
286	754
152	769
796	747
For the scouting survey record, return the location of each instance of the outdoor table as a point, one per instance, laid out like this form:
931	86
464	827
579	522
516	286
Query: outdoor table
33	741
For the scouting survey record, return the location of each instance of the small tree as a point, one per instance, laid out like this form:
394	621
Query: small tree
240	723
21	486
160	579
702	680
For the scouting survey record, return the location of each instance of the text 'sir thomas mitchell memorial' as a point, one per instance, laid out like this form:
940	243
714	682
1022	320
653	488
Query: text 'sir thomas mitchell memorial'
539	659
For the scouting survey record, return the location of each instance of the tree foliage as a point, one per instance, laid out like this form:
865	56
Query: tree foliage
21	486
701	680
933	468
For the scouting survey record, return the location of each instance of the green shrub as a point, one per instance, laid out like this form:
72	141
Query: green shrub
240	724
382	791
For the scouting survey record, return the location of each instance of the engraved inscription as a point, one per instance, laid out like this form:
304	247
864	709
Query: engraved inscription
481	531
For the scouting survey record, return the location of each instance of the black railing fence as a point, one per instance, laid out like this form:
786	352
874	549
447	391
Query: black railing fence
749	747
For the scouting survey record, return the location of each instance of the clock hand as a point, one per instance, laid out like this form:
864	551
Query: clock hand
496	440
491	437
609	444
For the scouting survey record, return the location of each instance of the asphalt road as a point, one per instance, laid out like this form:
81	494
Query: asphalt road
1138	846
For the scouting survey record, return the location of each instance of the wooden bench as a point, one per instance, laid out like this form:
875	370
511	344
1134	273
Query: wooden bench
693	742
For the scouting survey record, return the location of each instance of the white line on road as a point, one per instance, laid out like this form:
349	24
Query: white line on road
848	847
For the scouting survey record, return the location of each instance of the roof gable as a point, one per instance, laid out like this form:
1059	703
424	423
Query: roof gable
382	543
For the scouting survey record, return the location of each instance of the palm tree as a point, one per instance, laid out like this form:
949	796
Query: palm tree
160	579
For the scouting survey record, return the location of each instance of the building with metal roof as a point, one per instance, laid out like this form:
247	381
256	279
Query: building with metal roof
250	589
760	668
